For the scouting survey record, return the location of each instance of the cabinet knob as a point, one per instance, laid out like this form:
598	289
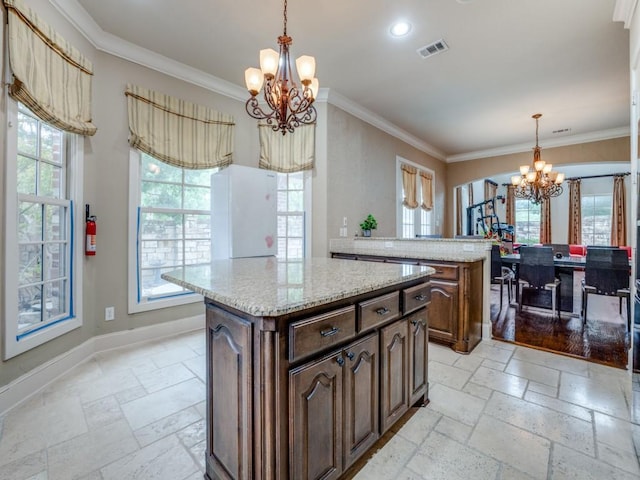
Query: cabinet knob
340	360
416	322
350	355
382	311
420	298
328	333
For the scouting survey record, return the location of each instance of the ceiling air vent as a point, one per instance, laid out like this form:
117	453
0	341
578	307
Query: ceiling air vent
562	130
433	48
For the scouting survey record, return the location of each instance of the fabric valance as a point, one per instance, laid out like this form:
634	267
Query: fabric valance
178	132
409	186
50	76
293	152
426	182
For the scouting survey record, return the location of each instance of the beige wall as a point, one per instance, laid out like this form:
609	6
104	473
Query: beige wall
106	173
361	163
461	173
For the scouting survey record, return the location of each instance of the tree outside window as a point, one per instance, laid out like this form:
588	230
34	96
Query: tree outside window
596	219
527	222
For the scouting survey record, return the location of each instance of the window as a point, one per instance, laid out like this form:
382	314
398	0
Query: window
417	221
596	219
170	225
43	199
527	222
292	198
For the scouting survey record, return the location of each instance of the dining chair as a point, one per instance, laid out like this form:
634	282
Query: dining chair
501	274
537	271
561	248
606	273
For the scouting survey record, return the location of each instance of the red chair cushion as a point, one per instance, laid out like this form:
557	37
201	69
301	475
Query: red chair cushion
578	250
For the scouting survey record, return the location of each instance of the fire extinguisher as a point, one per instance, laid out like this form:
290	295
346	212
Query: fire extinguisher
90	242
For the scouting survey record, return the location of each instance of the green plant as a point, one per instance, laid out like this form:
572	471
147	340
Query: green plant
369	223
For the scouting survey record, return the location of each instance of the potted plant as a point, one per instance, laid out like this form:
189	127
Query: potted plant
367	225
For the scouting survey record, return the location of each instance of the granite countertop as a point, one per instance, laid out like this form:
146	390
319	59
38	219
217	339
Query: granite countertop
450	256
264	286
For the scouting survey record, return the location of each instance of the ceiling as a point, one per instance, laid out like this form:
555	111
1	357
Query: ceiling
507	60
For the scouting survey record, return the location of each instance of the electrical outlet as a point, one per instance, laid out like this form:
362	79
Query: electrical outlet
344	221
109	313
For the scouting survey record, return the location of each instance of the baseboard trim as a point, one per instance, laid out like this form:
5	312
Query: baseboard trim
32	382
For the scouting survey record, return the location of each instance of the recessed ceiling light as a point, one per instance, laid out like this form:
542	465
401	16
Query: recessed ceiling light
400	29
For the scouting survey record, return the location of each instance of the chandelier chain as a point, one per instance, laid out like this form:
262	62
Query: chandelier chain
284	15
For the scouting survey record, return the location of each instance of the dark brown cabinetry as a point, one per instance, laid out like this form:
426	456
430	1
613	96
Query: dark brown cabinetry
394	371
455	313
305	395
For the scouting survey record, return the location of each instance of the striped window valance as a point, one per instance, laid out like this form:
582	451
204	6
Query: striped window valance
409	186
50	76
426	181
178	132
293	152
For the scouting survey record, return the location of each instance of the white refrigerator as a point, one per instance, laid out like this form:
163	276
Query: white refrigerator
243	212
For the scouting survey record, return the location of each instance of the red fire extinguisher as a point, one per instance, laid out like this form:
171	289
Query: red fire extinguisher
90	242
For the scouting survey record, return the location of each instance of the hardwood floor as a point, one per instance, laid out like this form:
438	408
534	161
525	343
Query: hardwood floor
604	339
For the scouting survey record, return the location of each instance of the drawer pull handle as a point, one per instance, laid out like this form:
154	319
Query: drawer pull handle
439	271
340	360
416	322
328	333
350	355
420	298
382	311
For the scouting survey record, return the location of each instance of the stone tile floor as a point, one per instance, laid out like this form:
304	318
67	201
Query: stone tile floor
502	412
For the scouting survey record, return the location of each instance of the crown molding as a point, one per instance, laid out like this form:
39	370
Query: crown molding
377	121
106	42
623	11
548	143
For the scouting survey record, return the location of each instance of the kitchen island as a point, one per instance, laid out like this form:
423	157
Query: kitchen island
459	311
309	362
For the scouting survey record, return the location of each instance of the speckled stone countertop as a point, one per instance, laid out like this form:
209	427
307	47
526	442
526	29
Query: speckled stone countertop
443	249
264	286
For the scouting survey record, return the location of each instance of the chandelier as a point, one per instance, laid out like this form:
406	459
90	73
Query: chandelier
288	105
539	183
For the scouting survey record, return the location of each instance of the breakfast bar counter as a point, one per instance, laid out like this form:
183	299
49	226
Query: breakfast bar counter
308	362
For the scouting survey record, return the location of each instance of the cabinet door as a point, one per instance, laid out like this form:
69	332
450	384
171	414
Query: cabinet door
418	357
443	311
360	398
229	404
394	381
315	403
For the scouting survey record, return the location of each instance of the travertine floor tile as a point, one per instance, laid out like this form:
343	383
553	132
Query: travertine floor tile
568	464
593	394
447	375
457	405
500	381
166	426
512	445
442	457
533	372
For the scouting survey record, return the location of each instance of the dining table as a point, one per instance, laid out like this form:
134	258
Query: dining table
565	267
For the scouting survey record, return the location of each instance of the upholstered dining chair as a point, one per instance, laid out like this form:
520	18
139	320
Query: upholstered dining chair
561	248
606	272
501	274
536	271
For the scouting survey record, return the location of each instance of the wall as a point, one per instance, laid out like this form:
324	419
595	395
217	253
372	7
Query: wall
106	190
361	169
601	152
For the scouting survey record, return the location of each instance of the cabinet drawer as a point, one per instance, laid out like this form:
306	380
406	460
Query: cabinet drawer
323	331
378	310
443	271
415	297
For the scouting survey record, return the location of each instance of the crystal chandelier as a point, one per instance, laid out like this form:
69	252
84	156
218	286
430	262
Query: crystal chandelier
288	105
539	183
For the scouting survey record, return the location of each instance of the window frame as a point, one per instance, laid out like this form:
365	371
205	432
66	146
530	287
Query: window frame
15	342
421	217
582	217
517	237
134	303
306	214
